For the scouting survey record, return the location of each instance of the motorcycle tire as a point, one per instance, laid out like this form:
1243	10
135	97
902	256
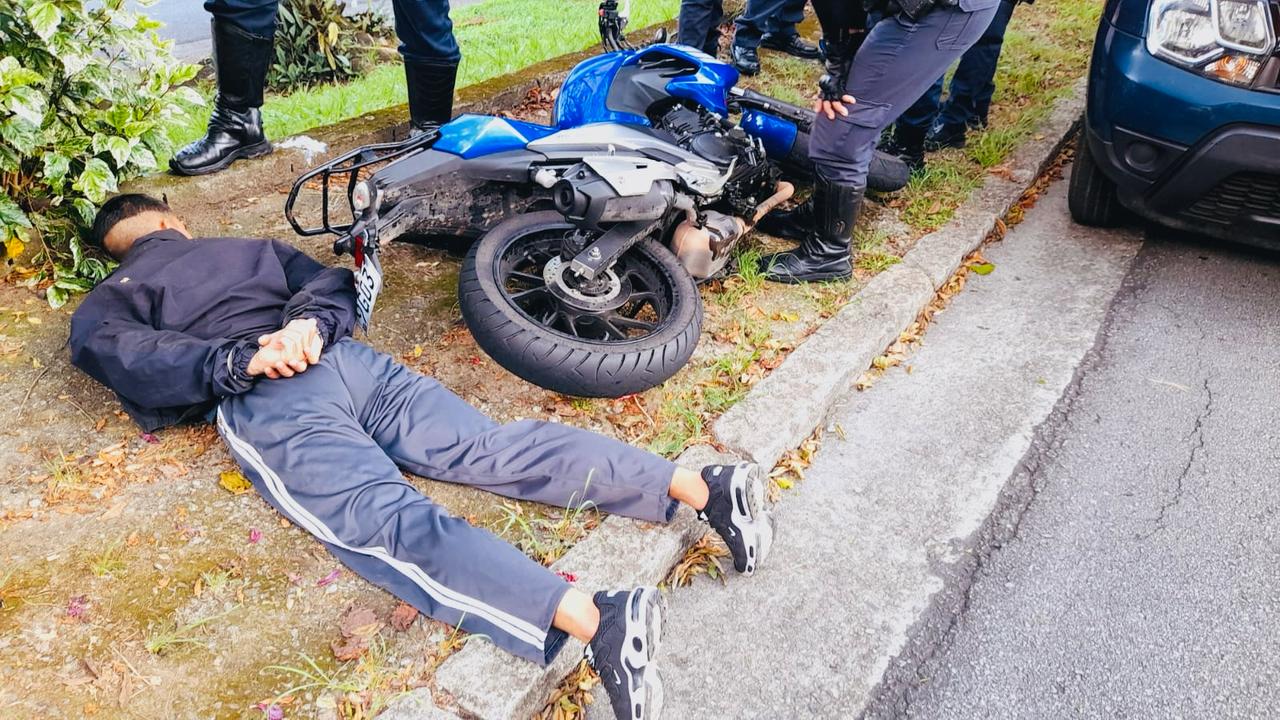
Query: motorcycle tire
525	325
887	173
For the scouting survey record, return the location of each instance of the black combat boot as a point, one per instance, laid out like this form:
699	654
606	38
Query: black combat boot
430	94
792	45
746	59
793	224
824	252
241	60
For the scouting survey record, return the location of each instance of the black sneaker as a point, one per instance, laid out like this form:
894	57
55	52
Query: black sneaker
735	510
945	136
745	59
624	648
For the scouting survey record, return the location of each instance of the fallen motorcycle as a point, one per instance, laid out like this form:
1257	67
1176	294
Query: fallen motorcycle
592	233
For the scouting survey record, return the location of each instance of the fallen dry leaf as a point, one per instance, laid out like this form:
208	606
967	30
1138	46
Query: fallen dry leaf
234	482
403	616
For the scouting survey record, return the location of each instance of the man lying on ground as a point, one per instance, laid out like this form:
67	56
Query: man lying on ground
257	335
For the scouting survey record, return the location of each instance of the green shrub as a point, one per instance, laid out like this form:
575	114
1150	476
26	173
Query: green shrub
84	97
316	42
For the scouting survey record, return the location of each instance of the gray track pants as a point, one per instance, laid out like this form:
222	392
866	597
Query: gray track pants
326	448
897	62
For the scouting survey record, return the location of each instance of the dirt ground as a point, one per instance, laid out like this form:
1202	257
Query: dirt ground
139	578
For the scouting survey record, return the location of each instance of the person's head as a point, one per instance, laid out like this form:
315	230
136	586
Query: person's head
125	218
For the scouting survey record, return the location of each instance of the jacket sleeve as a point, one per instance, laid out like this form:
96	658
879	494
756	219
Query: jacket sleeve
326	294
158	368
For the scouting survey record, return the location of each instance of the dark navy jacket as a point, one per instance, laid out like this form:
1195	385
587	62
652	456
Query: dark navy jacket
172	330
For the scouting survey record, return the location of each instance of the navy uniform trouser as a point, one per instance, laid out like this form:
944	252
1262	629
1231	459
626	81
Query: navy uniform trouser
699	23
972	85
326	448
423	26
897	62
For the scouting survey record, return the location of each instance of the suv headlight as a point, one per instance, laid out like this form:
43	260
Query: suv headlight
1224	39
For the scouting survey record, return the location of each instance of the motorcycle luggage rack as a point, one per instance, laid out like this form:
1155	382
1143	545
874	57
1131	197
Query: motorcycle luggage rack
349	165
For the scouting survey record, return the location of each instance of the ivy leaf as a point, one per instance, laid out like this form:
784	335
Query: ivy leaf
20	134
11	215
96	181
56	296
45	18
120	149
143	158
86	210
56	167
28	104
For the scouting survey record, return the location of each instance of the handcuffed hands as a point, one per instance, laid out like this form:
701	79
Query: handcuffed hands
288	351
837	60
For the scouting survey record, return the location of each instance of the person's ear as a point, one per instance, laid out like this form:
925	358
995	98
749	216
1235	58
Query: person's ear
172	222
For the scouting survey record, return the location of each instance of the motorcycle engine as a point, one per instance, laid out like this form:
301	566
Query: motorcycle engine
725	145
700	133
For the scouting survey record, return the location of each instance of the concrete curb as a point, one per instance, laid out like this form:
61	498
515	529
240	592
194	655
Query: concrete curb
483	682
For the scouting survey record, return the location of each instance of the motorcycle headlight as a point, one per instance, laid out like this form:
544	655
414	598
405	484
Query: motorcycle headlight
1224	39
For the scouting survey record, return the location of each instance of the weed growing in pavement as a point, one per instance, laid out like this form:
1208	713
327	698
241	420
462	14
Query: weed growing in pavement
216	581
172	635
64	475
546	538
870	254
109	561
355	690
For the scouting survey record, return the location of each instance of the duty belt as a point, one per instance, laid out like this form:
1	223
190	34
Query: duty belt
913	9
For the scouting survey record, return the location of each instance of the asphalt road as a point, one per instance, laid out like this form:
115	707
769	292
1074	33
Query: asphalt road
1142	581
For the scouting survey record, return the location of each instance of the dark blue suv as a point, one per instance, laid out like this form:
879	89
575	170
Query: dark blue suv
1183	118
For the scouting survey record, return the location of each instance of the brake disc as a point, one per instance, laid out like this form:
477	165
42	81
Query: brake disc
610	297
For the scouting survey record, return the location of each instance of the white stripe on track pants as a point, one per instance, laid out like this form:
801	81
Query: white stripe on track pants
326	447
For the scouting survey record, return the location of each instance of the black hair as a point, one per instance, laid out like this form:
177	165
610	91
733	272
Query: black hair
119	209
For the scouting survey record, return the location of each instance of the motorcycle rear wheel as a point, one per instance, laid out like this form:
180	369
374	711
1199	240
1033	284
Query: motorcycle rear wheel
637	327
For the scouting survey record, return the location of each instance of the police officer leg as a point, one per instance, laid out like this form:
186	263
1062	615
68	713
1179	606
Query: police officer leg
431	58
699	24
899	60
781	33
911	129
242	51
974	82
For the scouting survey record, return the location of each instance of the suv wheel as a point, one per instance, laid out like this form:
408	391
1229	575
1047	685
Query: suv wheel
1091	196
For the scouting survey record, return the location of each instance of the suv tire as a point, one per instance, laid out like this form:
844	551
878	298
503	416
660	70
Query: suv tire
1091	196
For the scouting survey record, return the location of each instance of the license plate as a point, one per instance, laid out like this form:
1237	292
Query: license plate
368	285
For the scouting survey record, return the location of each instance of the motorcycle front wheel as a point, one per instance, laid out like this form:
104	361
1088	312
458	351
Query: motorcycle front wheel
632	328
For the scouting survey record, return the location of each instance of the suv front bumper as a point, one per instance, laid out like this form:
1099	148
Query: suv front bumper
1226	186
1182	149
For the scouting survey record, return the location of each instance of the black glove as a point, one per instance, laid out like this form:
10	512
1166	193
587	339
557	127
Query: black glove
837	57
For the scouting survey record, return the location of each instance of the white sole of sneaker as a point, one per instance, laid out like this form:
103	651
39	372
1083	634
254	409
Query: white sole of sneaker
646	611
749	514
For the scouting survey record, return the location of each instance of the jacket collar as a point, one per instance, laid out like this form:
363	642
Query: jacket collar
152	239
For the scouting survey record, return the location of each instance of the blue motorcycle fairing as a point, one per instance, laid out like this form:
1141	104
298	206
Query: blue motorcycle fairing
584	94
471	136
777	134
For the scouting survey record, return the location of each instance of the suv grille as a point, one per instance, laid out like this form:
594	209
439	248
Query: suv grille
1242	194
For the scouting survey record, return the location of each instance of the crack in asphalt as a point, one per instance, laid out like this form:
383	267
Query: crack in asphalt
1196	437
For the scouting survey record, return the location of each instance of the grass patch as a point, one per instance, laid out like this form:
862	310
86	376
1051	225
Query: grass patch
546	537
355	690
109	561
172	635
485	31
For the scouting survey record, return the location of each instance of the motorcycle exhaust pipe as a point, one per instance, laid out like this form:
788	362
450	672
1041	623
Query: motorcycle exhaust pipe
585	198
704	249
